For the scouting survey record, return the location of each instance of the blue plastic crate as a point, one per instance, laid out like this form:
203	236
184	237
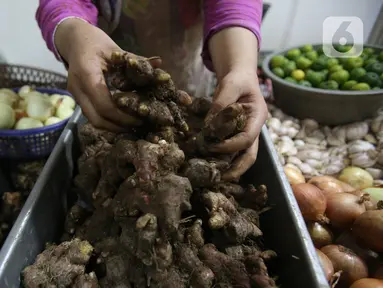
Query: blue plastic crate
32	143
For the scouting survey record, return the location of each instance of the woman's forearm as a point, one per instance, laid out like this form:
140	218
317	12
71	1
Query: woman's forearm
232	49
51	13
223	14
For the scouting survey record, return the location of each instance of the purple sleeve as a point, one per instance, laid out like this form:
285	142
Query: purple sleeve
220	14
51	13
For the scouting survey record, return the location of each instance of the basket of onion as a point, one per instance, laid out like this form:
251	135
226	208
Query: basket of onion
344	216
31	120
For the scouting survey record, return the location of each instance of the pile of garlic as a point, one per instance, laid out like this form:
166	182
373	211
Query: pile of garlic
31	109
320	150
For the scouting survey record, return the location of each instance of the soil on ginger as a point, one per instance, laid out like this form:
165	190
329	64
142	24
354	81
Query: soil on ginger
161	215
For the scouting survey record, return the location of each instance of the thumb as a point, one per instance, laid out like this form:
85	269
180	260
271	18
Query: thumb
224	95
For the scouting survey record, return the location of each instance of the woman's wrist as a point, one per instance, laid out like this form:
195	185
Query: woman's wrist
234	48
66	33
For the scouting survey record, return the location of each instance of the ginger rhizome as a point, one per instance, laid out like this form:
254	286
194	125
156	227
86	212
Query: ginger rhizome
159	213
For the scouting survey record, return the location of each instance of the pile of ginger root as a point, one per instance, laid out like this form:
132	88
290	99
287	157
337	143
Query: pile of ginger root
161	215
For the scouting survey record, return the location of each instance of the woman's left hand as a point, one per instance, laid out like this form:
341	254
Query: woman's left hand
241	86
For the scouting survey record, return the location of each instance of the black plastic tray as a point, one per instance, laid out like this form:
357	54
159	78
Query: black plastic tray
41	219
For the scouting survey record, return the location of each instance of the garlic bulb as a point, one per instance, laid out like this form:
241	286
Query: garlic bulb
356	130
7	116
358	146
362	154
375	173
28	123
274	124
377	123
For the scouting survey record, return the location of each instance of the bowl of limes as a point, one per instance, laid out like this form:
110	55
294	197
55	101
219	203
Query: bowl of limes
332	90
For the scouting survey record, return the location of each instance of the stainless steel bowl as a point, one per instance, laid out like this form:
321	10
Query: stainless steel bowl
329	107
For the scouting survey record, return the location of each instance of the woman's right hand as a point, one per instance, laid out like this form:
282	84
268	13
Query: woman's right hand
86	49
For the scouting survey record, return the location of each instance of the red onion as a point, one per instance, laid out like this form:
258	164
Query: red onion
327	266
343	259
368	203
320	234
368	230
311	202
367	283
344	208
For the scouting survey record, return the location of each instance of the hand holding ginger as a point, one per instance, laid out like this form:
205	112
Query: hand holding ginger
87	50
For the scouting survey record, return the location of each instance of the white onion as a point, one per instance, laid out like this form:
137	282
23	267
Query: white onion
28	123
52	120
24	91
67	101
39	108
64	112
54	98
8	97
7	116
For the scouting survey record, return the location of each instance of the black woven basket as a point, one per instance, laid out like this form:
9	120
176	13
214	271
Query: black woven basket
13	76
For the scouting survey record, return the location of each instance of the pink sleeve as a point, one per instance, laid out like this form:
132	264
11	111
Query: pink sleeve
220	14
51	13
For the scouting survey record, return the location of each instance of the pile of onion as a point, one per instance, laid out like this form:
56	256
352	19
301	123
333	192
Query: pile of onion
345	209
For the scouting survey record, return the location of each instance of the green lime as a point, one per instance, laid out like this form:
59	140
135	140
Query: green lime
293	53
320	50
314	77
335	68
370	61
375	67
289	67
332	62
307	48
290	79
340	77
298	74
369	51
325	73
312	55
353	62
305	83
349	84
343	48
303	62
329	85
380	57
364	56
361	86
279	72
357	73
342	61
320	64
376	88
372	79
278	61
